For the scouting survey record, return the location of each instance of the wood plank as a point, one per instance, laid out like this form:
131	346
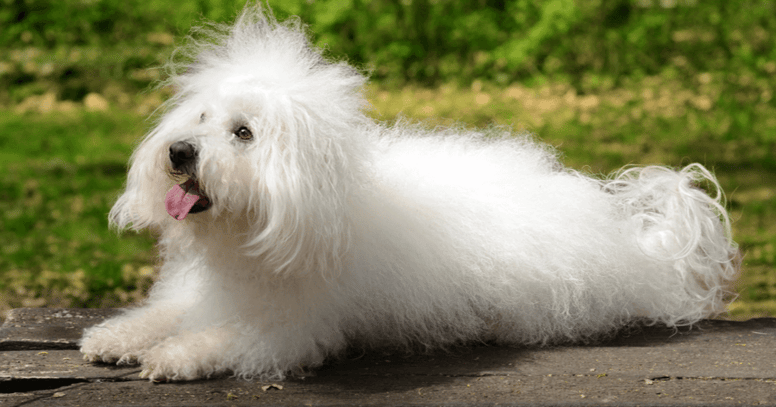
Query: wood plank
716	362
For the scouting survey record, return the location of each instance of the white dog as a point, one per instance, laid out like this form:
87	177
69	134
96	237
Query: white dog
293	226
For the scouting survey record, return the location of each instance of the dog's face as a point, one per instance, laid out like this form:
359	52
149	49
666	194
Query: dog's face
215	162
262	134
188	197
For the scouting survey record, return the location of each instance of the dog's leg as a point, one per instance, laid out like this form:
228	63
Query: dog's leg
187	356
232	348
125	338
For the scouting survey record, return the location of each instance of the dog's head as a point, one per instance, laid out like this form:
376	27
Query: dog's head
264	131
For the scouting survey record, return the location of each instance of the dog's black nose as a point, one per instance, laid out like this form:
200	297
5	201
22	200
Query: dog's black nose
182	153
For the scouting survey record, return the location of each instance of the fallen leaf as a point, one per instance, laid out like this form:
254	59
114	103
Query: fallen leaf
272	386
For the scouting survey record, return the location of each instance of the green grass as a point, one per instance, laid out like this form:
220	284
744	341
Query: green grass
61	171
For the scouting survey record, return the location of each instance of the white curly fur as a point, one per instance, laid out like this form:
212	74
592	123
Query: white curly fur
328	230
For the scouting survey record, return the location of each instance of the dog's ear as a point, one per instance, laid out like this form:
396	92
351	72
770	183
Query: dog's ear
141	205
307	187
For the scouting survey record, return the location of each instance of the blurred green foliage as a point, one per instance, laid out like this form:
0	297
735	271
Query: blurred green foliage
590	42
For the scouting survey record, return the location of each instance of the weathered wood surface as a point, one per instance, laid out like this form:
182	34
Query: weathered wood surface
715	363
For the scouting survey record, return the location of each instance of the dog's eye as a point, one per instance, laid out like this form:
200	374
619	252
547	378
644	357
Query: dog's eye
243	133
202	118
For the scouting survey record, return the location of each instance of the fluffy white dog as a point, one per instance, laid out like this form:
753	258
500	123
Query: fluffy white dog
293	226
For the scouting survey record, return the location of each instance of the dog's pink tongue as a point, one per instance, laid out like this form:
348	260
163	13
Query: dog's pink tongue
178	202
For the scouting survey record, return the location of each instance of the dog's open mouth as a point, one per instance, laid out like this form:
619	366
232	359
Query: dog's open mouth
184	199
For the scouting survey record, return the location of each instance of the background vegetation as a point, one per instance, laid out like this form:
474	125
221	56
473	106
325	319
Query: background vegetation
608	82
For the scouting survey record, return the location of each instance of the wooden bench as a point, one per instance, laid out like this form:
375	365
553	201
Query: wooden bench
716	362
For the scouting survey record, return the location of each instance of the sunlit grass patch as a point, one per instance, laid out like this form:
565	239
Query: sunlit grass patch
61	174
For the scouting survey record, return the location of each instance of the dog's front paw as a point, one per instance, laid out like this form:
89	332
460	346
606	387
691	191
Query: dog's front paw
174	360
109	357
168	372
101	345
156	374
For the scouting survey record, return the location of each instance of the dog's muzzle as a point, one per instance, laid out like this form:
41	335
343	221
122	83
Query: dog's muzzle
185	198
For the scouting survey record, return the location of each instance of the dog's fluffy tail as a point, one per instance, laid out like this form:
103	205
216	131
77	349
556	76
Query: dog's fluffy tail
678	223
